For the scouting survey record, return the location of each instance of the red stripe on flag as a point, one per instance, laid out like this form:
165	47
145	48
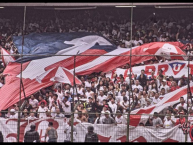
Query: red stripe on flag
80	60
70	77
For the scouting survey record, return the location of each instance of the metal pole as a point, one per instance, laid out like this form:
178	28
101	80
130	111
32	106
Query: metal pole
74	87
188	90
19	112
128	116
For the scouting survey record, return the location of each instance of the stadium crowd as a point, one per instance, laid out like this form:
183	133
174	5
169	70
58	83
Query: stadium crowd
100	99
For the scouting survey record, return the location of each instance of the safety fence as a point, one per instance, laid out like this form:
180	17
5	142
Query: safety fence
112	132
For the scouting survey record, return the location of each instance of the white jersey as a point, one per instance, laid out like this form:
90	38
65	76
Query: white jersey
42	112
168	124
120	120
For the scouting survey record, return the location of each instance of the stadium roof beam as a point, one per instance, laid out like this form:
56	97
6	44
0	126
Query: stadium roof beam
92	4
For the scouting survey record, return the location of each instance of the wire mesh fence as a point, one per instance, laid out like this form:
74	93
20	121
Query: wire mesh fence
107	101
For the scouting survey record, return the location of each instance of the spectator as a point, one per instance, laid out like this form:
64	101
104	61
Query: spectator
107	119
91	136
25	114
51	132
181	119
58	114
28	107
142	78
33	102
1	137
13	115
32	135
66	105
174	86
98	119
41	99
90	107
156	120
119	118
169	123
32	116
42	110
67	131
165	86
182	103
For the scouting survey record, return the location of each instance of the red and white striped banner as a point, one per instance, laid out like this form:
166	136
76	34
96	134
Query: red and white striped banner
175	68
106	132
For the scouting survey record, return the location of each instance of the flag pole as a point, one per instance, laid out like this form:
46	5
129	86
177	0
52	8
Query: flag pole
128	115
21	84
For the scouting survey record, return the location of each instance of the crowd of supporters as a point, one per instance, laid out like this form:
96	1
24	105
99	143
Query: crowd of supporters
100	99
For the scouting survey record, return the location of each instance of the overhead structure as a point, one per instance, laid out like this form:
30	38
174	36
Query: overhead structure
93	4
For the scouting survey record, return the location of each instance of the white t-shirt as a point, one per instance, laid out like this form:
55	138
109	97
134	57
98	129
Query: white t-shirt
113	107
122	103
168	124
15	116
67	129
31	118
166	87
135	42
88	94
33	103
60	96
101	98
67	110
100	120
138	86
42	112
53	111
184	106
80	91
155	101
120	120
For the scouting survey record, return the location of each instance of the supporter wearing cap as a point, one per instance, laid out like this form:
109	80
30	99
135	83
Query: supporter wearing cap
107	119
13	114
104	110
165	86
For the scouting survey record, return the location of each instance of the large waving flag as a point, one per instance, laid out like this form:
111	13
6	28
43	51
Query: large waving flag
6	57
169	99
85	44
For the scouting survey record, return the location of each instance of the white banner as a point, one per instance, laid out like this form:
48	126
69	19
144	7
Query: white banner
173	68
106	132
